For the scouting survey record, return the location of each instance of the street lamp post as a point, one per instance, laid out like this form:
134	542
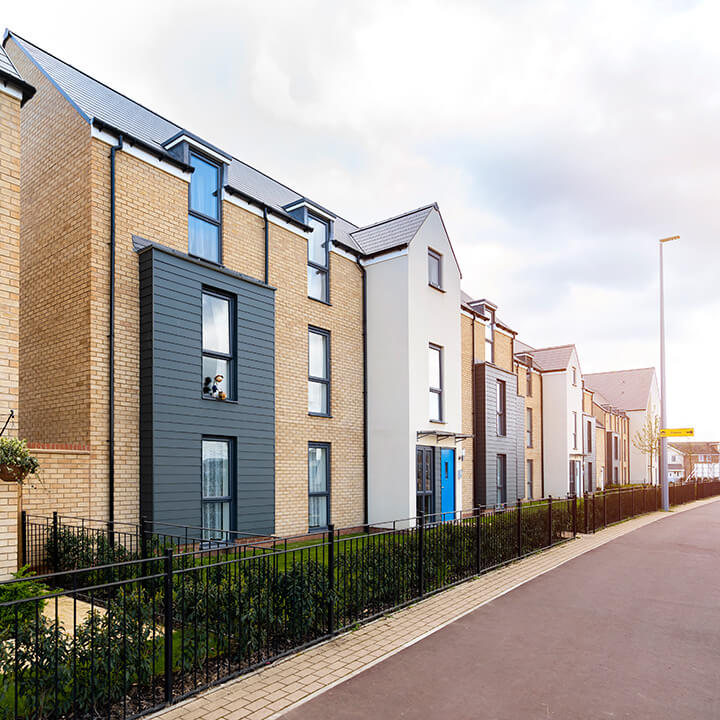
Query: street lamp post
663	469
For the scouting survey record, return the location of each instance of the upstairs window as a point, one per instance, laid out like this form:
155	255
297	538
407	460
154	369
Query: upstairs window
318	372
528	383
501	410
489	337
574	376
529	429
574	430
318	271
217	346
204	210
435	382
434	269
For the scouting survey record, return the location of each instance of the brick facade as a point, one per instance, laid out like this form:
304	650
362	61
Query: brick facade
534	403
9	308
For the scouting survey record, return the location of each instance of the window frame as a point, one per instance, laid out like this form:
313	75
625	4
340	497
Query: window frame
574	376
501	482
574	430
425	471
501	412
490	327
326	494
315	266
588	438
232	481
529	479
528	383
328	368
201	216
437	391
435	255
232	343
528	429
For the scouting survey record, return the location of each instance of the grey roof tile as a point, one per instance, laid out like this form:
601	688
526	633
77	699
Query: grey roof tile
626	389
6	65
553	358
393	232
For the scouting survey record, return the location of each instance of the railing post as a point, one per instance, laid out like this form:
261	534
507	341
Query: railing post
632	501
574	515
23	538
518	512
478	556
421	553
331	579
550	529
56	540
593	513
586	505
143	537
168	602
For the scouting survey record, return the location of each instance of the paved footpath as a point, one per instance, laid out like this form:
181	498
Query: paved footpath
630	631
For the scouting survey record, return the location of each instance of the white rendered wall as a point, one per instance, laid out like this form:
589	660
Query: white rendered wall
556	439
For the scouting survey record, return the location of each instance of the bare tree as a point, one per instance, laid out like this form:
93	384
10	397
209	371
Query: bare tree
647	441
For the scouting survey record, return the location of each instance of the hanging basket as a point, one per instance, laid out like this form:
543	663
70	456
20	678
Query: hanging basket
12	473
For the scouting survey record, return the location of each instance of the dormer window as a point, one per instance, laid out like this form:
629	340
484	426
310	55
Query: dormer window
490	336
318	259
204	209
434	269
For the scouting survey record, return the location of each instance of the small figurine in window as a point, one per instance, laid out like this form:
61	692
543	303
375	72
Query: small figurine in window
207	384
215	390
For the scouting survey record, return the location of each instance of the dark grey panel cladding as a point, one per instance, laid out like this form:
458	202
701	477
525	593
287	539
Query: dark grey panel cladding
173	414
488	444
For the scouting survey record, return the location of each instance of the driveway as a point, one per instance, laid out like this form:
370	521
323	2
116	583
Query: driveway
628	630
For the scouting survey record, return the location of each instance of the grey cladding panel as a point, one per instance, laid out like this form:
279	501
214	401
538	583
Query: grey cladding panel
175	416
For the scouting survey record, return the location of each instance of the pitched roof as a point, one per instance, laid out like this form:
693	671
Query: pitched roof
696	447
626	389
394	232
553	358
520	347
96	101
9	74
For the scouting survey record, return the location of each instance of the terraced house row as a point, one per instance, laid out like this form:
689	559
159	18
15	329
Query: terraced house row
190	340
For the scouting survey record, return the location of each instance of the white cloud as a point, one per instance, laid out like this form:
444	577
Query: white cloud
561	140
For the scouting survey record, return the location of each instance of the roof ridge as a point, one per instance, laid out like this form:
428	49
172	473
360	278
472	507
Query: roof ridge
396	217
551	347
612	372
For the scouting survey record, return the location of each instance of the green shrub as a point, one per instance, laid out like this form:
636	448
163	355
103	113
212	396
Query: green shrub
23	613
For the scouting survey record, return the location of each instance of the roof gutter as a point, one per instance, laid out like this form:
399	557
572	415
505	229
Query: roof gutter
26	89
136	142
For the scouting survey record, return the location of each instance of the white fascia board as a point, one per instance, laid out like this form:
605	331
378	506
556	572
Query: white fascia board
342	253
383	258
10	90
192	142
502	332
141	154
314	209
245	205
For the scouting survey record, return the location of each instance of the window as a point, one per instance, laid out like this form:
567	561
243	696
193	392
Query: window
528	429
434	269
217	346
424	480
318	372
615	448
528	383
216	488
588	436
574	430
501	480
615	476
489	334
529	479
318	485
435	381
501	422
572	489
318	260
589	479
574	376
204	209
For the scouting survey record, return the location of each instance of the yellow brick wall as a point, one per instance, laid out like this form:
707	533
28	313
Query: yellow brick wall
534	402
9	310
503	351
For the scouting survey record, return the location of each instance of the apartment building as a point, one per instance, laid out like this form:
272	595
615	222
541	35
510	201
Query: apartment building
563	450
248	359
590	445
530	386
635	394
676	462
497	407
613	434
693	460
14	93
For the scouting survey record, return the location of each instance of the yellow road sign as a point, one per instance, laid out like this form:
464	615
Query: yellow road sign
677	432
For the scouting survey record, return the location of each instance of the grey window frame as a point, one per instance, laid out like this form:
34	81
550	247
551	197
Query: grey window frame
575	430
490	325
327	447
202	216
324	381
438	391
528	383
529	479
501	479
528	429
323	268
588	438
501	408
436	256
230	499
232	330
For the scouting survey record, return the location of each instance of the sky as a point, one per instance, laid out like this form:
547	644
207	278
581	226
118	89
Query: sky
561	140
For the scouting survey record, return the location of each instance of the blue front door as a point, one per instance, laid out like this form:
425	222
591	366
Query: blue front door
447	481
